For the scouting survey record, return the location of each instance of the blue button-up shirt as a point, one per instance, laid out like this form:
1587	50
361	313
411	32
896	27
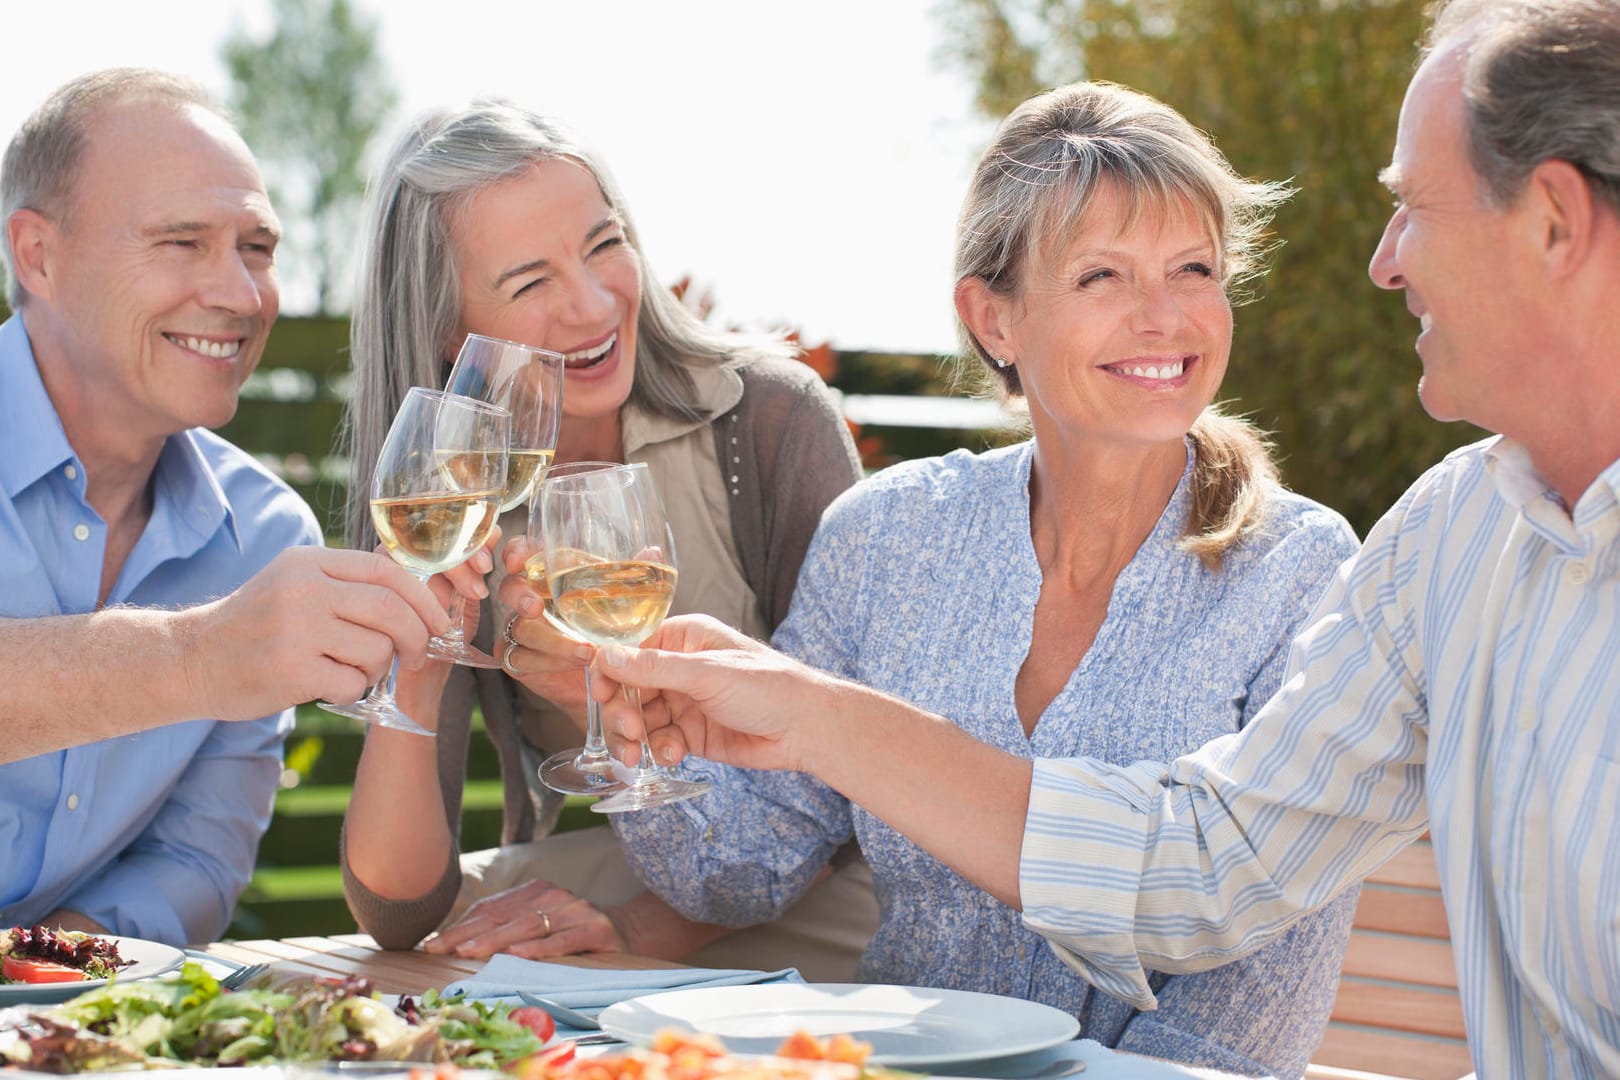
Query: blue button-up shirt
153	835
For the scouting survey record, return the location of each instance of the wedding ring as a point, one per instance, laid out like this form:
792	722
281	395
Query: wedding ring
545	923
511	624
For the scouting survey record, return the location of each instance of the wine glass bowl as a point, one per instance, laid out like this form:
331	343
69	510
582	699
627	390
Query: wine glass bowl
611	570
435	495
527	382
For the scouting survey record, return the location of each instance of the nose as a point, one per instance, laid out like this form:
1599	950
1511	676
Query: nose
1385	269
236	287
590	301
1158	311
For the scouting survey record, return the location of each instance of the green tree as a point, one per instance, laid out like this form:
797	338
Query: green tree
1304	90
310	99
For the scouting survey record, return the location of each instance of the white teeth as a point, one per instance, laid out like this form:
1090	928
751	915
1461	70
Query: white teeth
219	350
1168	371
586	356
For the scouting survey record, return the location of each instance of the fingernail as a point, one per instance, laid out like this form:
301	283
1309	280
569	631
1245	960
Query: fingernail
584	652
483	562
529	606
614	655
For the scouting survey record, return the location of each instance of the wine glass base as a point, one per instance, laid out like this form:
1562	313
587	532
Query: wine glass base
388	716
572	772
649	793
459	652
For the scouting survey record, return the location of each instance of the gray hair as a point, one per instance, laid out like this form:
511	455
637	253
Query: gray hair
1035	182
1541	81
1033	187
408	303
41	163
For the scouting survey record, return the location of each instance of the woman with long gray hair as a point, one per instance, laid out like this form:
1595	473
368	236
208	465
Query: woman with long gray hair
491	219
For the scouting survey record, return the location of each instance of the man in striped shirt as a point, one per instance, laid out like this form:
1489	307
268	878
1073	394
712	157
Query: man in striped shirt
1462	675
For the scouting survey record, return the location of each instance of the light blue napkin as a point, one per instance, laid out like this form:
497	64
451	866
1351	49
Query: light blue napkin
593	989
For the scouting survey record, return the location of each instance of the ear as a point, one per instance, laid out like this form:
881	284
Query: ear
985	314
33	238
1565	215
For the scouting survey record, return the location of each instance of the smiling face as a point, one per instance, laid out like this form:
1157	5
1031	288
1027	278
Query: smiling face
544	260
1466	267
162	290
1121	333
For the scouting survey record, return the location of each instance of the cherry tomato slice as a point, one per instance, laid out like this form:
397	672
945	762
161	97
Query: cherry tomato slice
22	969
536	1020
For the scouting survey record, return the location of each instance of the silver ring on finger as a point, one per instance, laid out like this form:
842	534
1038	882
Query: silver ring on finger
511	625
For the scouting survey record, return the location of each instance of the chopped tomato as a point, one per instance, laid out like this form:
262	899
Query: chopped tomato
22	969
536	1020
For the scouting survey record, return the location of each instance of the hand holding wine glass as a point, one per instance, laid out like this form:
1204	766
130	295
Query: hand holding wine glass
435	493
527	382
610	566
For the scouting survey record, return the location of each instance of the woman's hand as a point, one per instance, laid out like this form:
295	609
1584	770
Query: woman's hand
533	650
534	920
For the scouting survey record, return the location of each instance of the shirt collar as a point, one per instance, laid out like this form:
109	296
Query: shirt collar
197	503
36	445
718	390
35	441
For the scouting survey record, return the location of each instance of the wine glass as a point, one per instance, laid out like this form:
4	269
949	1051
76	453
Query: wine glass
435	495
527	382
610	566
588	769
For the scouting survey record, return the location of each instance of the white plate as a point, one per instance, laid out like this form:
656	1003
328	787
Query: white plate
151	958
906	1025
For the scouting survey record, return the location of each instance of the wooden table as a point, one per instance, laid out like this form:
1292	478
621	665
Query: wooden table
391	972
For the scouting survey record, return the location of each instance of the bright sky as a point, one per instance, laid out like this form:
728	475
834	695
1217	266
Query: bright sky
803	160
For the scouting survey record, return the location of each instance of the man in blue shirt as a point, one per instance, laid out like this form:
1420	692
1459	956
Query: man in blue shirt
156	584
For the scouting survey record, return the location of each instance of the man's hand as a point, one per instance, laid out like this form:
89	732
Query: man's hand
315	623
720	695
533	920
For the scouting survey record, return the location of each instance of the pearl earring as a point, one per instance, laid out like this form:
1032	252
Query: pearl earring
1001	361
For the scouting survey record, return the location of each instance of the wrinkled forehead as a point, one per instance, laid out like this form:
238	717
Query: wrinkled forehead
147	158
1074	206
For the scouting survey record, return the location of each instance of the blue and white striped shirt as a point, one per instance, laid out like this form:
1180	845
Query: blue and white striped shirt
1463	674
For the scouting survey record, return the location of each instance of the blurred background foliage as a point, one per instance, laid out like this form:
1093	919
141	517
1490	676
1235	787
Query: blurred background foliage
1300	90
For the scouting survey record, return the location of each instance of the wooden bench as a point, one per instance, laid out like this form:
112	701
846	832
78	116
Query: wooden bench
1397	1013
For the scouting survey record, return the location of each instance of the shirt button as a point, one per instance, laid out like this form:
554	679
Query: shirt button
70	472
81	531
73	802
1577	573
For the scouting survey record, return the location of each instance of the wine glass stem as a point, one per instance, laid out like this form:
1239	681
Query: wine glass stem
595	743
458	614
647	770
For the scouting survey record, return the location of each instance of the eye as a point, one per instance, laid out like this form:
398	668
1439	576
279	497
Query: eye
607	243
1200	269
182	243
530	285
1092	276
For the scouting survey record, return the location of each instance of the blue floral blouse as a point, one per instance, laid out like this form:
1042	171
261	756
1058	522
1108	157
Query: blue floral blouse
922	582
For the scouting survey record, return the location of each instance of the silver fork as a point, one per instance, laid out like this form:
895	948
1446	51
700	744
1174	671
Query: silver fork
242	976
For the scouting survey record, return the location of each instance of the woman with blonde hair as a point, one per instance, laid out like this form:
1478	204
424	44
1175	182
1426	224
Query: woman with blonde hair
1122	585
491	219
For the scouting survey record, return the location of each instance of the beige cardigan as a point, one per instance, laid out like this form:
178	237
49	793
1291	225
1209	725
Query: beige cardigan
784	452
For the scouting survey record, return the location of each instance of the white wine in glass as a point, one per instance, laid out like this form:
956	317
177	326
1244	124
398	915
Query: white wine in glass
435	495
610	564
527	382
